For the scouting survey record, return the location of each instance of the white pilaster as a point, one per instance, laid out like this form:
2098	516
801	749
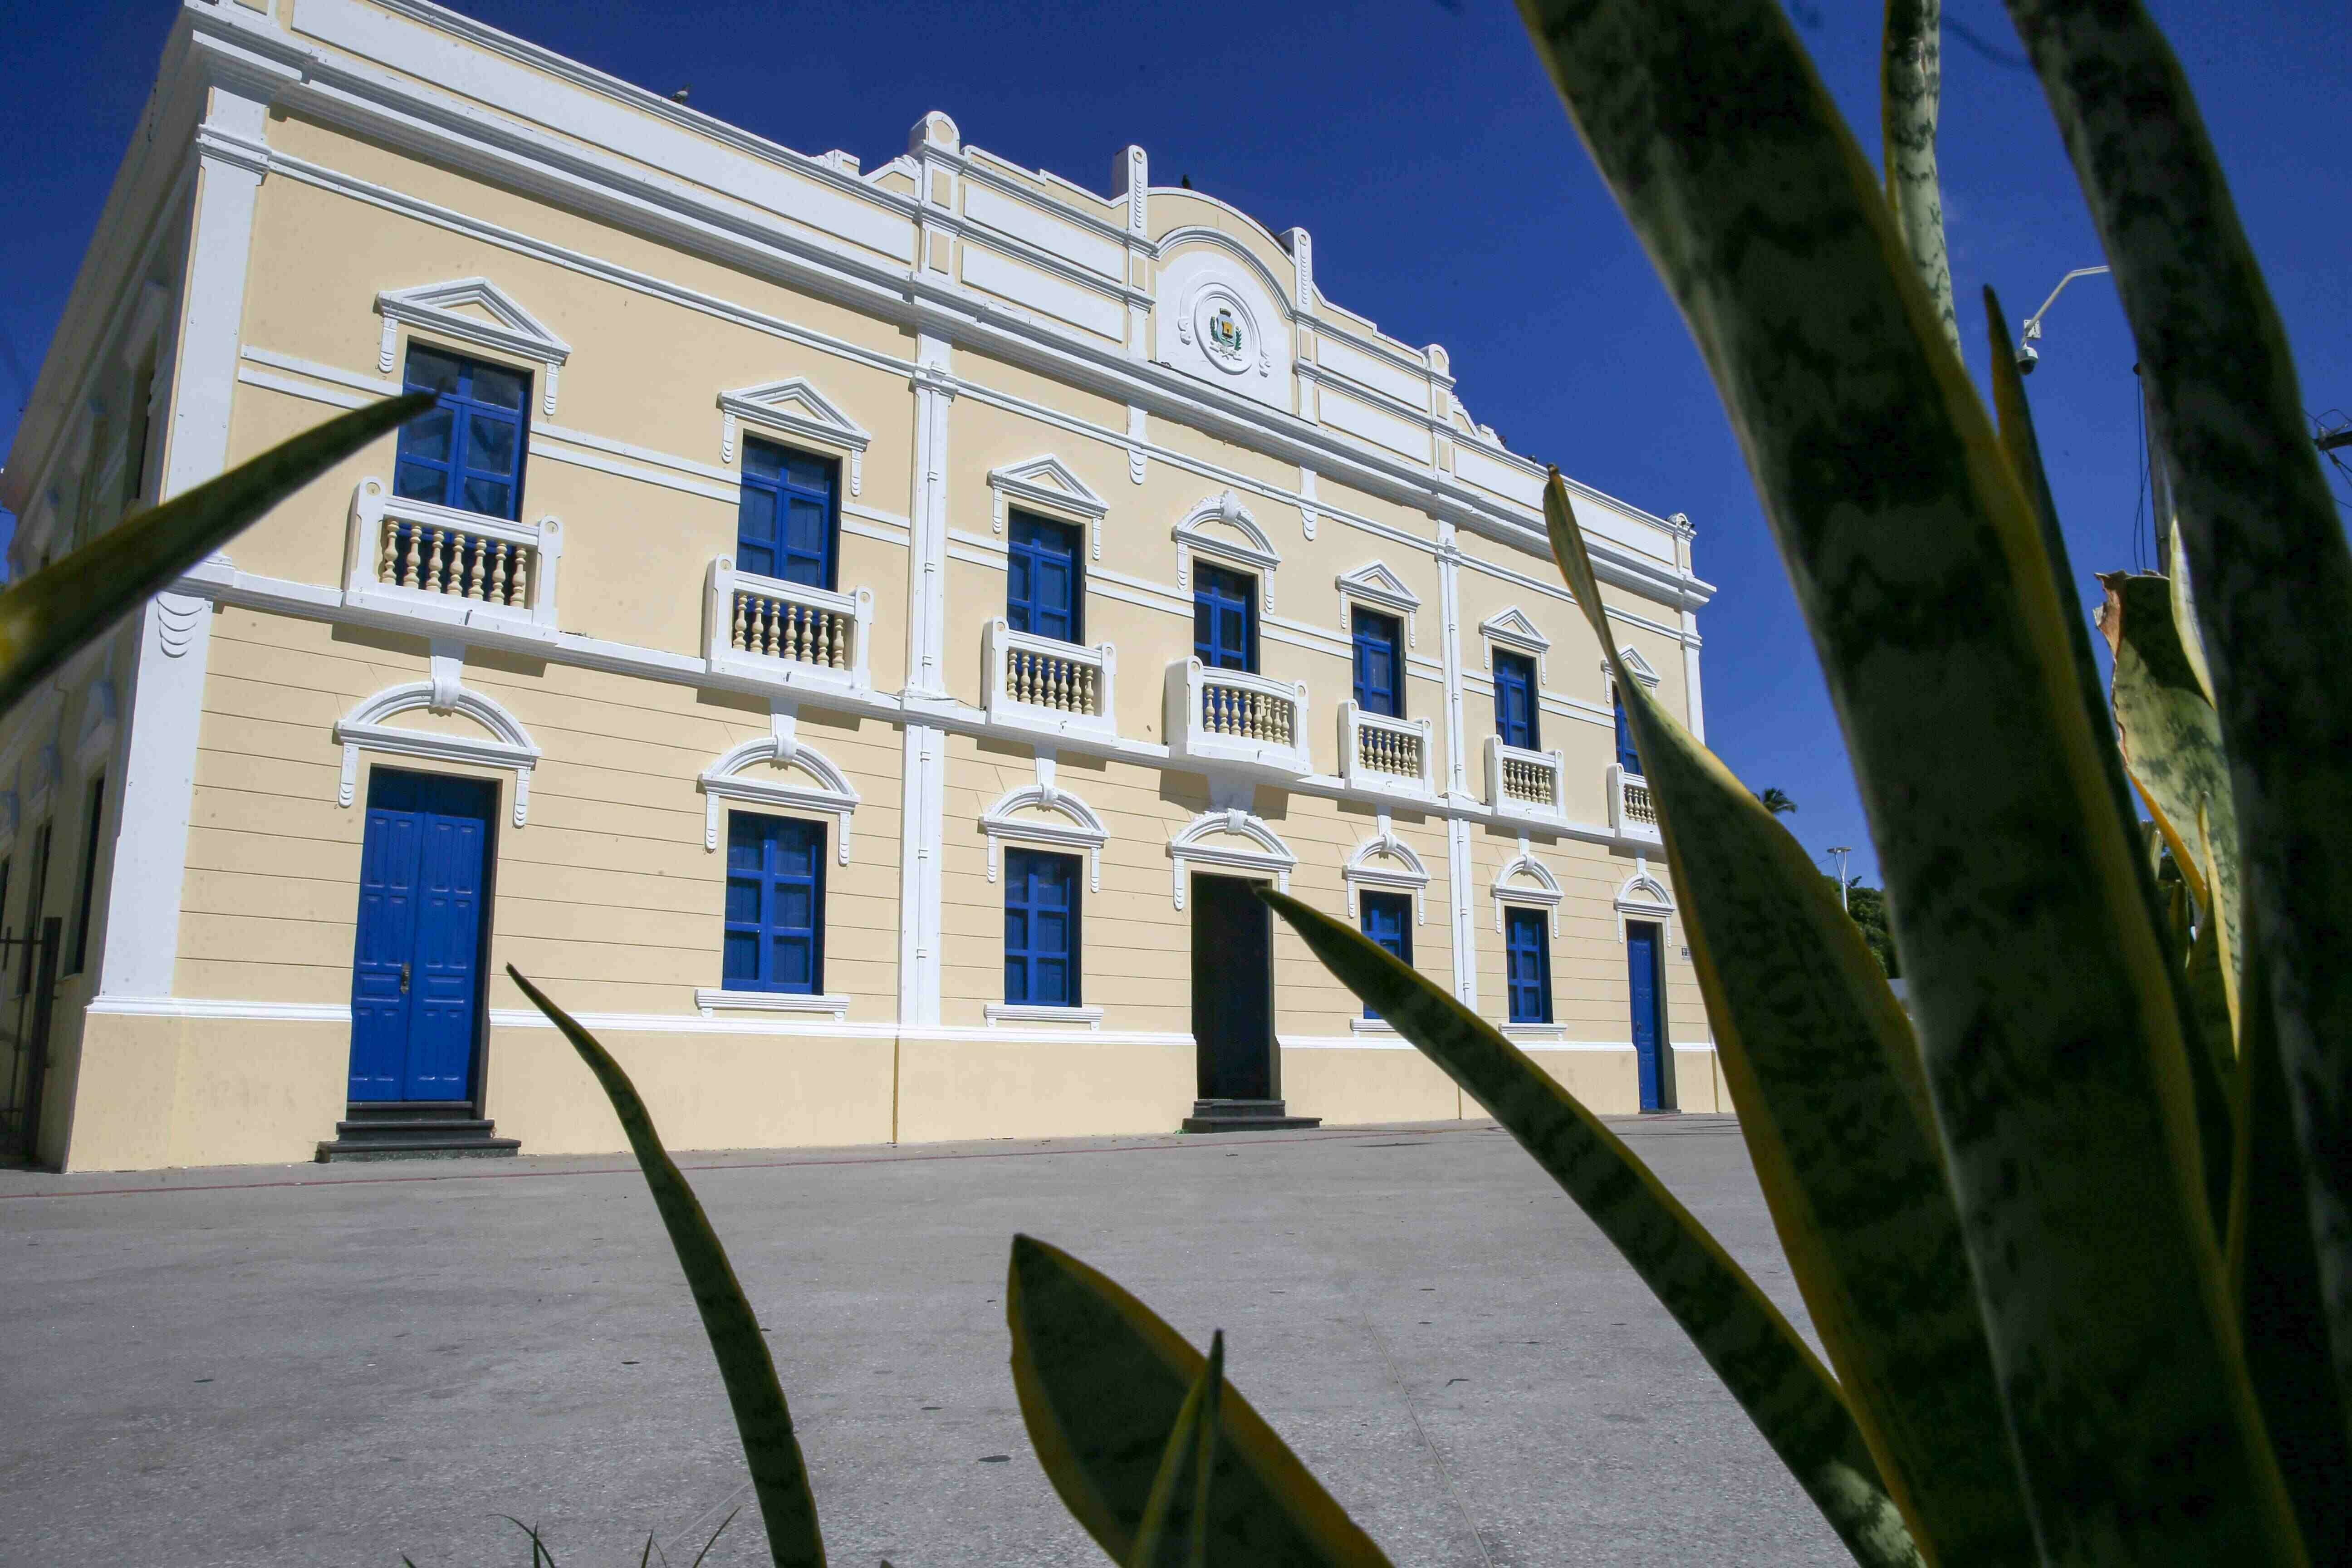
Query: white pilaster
923	781
1697	707
1457	774
1466	926
924	762
212	317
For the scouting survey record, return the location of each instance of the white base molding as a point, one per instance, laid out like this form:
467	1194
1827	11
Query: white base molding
1037	1012
707	1002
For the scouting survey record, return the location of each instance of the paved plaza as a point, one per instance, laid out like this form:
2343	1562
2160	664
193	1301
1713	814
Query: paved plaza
342	1365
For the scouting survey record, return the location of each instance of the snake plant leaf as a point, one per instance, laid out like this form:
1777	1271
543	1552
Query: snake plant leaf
2275	1275
2272	575
1103	1382
1190	1441
2171	740
2049	1016
46	616
1824	1071
779	1476
1773	1374
1911	88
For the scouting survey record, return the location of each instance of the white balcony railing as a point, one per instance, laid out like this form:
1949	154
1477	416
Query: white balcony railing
440	563
1521	783
1231	716
786	633
1377	752
1632	813
1040	683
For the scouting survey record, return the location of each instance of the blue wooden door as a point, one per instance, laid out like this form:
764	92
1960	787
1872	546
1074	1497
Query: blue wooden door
1515	701
1224	617
1041	582
1378	687
416	962
1649	1011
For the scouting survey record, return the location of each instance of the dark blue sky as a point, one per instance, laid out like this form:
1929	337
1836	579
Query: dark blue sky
1449	201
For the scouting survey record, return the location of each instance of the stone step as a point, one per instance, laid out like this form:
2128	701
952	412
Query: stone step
415	1130
1245	1115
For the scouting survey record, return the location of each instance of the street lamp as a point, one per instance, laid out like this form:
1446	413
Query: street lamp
1842	851
2027	356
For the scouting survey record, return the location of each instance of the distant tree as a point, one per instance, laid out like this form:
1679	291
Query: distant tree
1867	906
1775	802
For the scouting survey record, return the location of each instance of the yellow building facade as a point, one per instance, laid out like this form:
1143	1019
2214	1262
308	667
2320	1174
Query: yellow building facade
852	636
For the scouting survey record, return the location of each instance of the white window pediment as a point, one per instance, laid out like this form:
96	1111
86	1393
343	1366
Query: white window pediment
1029	815
1524	879
1223	529
795	408
473	311
1637	664
510	745
1373	584
1209	840
1386	863
1512	629
1048	484
1643	896
827	789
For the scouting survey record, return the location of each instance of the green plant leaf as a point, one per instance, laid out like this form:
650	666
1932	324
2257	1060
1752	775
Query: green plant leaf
2171	739
1823	1069
779	1476
46	616
1103	1382
1785	1390
1911	88
1189	1442
2271	572
2274	1276
2049	1016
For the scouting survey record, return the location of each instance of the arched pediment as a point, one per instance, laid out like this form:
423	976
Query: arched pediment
1386	861
1643	896
472	311
1524	879
797	408
732	777
1222	528
1208	839
1046	813
510	745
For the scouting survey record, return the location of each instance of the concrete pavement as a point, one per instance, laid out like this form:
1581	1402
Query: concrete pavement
340	1365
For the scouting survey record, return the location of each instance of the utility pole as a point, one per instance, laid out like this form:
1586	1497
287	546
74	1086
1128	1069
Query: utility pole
1842	851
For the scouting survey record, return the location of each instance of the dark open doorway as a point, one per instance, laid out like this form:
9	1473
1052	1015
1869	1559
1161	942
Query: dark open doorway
1240	1079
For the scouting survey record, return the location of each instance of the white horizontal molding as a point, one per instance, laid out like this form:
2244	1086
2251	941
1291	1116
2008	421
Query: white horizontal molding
217	1007
795	408
510	745
830	793
442	308
711	1001
1037	1012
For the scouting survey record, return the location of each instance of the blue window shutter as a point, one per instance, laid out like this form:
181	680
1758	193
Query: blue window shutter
1515	701
1527	956
1380	664
1225	618
1043	593
1628	757
788	523
1387	920
467	452
774	935
1041	928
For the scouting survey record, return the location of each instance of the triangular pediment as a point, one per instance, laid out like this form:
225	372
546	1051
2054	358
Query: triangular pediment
1048	482
1374	582
1512	626
795	405
476	310
1639	665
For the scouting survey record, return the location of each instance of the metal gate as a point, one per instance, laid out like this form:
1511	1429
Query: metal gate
31	965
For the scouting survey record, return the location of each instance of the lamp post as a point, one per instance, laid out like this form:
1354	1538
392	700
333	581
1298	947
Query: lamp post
2027	356
1842	851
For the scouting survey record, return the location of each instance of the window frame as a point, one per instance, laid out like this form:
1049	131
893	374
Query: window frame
1368	629
784	491
1020	865
1628	757
763	929
1400	905
1518	919
1513	669
1017	549
1209	583
461	403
